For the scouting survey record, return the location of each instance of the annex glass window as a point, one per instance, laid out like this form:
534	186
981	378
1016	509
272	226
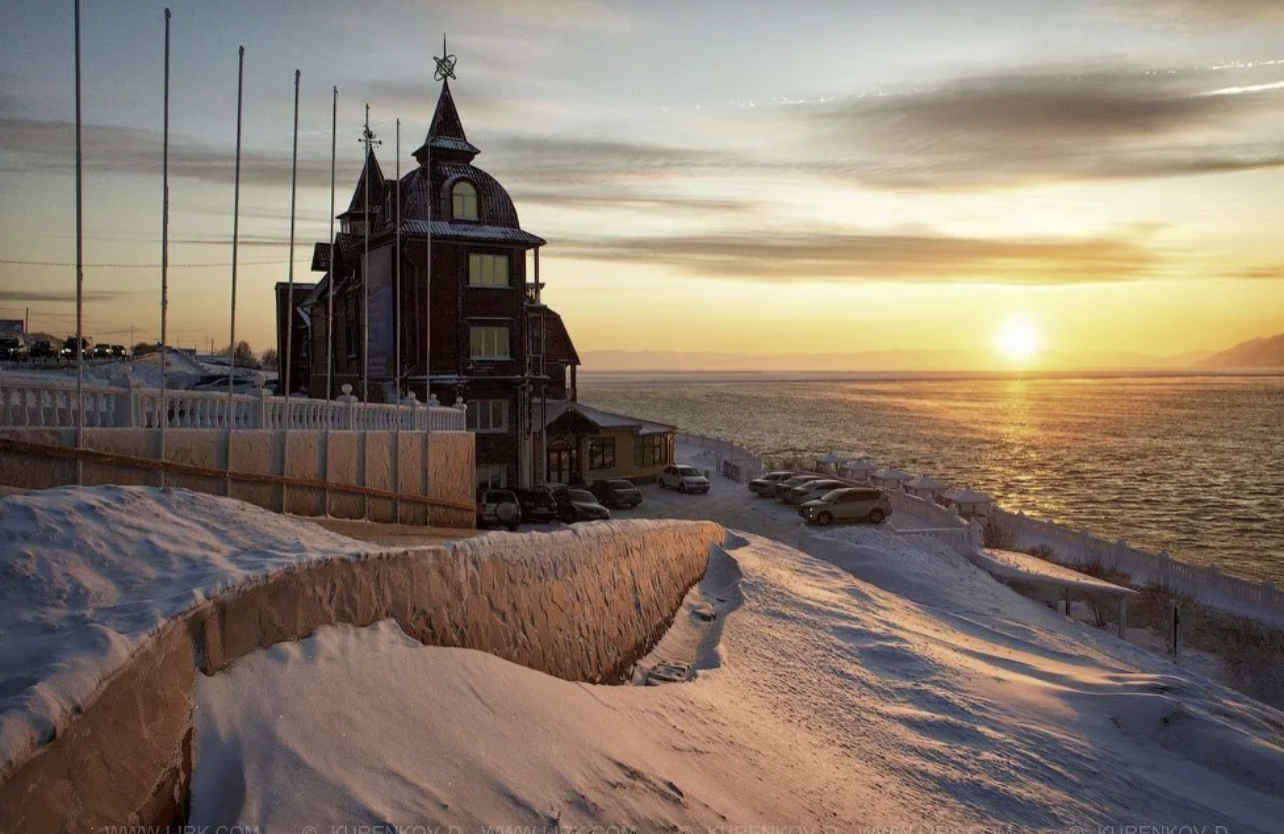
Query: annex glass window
487	270
601	452
488	416
463	201
488	342
492	476
648	450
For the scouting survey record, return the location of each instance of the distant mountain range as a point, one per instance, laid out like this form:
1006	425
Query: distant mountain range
1266	352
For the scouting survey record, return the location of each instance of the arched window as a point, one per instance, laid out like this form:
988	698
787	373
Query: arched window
464	201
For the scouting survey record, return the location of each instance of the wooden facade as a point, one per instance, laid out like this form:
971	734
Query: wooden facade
429	286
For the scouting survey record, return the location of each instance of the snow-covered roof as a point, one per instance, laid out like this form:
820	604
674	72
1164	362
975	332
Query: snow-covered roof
967	496
926	483
472	232
602	419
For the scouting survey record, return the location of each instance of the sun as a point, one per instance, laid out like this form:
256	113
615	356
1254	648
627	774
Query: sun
1017	340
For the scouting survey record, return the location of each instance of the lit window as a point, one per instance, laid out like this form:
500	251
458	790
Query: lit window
464	201
488	342
601	452
488	416
488	270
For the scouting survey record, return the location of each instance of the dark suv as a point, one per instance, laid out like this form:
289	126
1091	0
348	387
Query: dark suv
43	349
537	503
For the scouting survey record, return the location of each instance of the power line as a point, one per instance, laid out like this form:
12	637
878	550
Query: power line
140	266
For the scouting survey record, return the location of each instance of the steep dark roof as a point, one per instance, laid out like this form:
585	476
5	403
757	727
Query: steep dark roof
371	172
321	257
558	346
426	197
446	133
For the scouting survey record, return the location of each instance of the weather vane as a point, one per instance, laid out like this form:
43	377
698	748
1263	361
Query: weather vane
445	64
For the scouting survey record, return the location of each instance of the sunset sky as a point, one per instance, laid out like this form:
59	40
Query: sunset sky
1095	177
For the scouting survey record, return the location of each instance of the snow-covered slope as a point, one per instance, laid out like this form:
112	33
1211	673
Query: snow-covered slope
85	575
891	683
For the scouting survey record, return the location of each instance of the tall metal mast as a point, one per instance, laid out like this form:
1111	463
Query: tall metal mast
236	232
329	315
368	139
164	334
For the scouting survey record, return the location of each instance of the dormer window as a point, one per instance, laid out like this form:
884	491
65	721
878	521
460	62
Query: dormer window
463	199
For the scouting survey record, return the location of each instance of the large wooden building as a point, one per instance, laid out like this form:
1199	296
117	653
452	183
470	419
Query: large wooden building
438	263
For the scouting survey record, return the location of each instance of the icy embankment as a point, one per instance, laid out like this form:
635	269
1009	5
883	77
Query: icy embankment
897	686
86	575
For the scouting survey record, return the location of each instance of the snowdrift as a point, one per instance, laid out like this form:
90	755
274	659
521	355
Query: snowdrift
891	683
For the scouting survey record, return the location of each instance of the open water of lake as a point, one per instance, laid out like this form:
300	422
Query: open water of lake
1191	465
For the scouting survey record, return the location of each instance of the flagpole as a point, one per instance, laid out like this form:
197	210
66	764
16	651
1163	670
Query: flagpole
329	316
396	293
80	275
396	321
289	293
236	231
164	256
365	273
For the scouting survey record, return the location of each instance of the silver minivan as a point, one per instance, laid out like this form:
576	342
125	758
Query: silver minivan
850	504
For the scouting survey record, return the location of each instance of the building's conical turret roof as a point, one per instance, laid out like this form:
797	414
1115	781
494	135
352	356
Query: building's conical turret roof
371	175
446	133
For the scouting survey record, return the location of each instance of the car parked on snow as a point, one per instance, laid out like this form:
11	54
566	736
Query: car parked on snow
538	503
72	347
13	350
684	479
764	484
101	352
849	504
579	505
616	492
813	489
43	349
498	507
119	352
781	489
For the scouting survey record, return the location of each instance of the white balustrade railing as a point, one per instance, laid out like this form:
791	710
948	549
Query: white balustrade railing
1207	584
729	459
932	513
52	404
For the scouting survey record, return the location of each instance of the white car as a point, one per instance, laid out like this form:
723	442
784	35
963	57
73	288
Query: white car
684	479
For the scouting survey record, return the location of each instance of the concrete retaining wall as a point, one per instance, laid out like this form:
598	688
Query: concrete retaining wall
582	604
393	461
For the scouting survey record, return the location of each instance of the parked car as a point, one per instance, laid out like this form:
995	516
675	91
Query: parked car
498	506
849	504
579	505
537	503
101	352
781	489
765	484
219	383
119	352
12	349
43	349
804	492
72	347
617	492
684	479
